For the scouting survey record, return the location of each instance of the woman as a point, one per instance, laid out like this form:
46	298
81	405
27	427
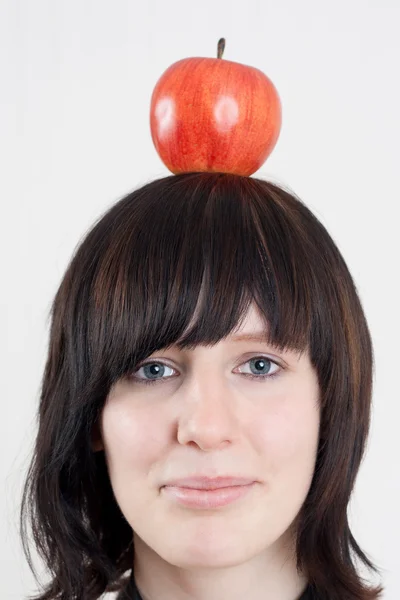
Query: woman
207	327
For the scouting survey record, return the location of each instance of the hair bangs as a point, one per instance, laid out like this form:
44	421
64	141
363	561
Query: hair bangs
184	268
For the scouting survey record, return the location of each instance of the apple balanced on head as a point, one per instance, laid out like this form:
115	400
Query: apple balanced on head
211	114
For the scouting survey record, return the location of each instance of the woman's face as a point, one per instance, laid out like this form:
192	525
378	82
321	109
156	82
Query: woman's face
204	415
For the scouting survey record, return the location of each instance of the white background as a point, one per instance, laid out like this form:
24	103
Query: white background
75	87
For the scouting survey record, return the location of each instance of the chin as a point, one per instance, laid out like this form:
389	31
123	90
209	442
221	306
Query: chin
205	559
209	552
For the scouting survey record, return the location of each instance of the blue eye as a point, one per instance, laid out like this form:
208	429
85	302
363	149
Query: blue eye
155	371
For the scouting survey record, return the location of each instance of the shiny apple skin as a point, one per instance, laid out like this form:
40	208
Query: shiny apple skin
216	115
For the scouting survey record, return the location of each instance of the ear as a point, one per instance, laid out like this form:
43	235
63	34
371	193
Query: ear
96	439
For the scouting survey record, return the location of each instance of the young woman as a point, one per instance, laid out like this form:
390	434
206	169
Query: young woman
205	403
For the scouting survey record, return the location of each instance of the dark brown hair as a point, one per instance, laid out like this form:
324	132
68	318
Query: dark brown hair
131	288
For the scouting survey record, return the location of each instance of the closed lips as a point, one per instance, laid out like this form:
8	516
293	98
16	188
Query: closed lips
209	483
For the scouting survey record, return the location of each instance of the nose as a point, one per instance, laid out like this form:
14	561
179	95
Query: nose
209	416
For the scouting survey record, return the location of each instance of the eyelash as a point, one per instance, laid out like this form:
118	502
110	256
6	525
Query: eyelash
248	375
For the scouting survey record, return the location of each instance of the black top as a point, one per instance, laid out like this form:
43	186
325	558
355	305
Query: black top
130	592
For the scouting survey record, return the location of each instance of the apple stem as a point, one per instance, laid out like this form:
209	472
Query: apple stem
221	47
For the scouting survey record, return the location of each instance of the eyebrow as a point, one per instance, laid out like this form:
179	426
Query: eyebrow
256	336
251	337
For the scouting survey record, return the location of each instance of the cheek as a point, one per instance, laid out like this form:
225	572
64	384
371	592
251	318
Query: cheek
286	431
132	439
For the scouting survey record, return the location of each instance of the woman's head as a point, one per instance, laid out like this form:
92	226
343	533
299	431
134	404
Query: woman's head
238	408
171	275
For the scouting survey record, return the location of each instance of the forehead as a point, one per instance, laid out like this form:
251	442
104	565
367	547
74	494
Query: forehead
253	321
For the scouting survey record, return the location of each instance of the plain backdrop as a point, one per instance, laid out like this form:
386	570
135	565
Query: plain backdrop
75	87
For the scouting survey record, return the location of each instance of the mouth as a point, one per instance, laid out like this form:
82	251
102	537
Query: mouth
207	498
204	482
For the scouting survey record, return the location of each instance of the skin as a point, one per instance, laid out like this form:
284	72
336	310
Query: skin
206	416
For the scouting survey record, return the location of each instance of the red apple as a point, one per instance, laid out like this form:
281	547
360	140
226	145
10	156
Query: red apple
211	114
